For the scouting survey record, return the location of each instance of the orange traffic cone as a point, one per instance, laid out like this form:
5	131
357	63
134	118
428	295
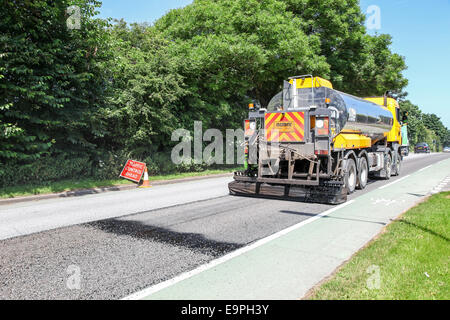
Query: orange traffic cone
146	183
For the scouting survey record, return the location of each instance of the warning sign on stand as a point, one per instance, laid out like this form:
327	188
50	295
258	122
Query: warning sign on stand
133	170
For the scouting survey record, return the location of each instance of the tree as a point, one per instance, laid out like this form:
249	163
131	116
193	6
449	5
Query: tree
360	64
234	50
423	127
446	142
144	105
415	125
434	123
51	83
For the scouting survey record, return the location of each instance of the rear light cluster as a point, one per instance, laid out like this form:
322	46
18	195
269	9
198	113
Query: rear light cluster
321	152
322	130
322	126
250	127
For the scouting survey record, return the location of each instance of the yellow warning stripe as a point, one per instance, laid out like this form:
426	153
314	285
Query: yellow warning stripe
295	135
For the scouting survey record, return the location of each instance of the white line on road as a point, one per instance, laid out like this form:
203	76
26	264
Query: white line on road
389	184
158	287
425	168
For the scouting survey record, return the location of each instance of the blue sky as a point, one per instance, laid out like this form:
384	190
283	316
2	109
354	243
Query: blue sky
420	31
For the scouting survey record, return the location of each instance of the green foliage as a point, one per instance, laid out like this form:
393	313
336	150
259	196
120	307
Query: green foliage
434	123
235	49
360	64
50	83
79	103
423	127
144	106
45	169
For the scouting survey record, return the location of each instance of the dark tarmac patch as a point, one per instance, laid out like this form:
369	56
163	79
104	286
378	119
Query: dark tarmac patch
140	230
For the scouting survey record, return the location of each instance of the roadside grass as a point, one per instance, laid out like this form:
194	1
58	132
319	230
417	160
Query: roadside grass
71	185
413	256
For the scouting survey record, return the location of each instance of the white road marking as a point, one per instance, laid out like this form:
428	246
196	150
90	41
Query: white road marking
158	287
425	168
440	186
398	180
386	202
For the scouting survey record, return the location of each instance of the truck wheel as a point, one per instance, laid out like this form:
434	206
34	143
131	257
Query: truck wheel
350	176
397	166
387	166
363	173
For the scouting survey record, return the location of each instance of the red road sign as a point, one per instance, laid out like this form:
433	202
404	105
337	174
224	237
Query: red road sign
133	170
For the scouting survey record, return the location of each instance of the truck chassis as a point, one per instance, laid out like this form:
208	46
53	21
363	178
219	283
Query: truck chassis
321	179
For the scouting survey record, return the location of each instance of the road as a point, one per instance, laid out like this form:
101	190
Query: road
121	242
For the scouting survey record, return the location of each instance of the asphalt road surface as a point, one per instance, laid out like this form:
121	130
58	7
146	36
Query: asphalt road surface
110	245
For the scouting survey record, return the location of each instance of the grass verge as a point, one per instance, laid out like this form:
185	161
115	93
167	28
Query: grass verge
410	259
70	185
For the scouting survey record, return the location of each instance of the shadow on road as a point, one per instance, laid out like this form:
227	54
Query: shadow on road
140	230
416	194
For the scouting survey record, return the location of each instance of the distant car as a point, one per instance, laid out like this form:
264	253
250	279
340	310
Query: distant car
446	149
422	148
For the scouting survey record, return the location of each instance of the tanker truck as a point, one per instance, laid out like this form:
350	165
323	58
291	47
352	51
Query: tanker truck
313	143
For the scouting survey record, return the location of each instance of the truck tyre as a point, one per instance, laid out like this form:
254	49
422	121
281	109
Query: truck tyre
350	176
387	166
397	166
363	173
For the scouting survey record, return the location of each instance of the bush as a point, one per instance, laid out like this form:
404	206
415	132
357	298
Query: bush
55	168
110	165
161	163
45	170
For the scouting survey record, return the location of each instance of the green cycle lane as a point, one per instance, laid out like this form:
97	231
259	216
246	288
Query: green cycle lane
288	264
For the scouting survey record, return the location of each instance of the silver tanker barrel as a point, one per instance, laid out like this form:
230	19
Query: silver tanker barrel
351	113
367	117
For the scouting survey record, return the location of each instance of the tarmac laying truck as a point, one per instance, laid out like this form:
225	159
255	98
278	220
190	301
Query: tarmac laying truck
314	143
